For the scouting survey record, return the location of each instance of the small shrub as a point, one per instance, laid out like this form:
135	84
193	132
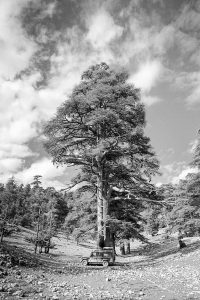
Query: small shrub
42	241
31	239
26	221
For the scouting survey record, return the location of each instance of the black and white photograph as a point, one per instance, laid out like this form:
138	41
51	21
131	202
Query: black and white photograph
100	149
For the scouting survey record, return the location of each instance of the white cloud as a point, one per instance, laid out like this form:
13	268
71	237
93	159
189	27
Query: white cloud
43	167
187	26
102	29
184	174
57	184
150	100
10	165
176	171
146	78
169	167
186	43
147	75
172	170
19	131
194	97
186	80
51	175
15	48
158	184
145	38
15	150
163	39
189	83
17	95
12	158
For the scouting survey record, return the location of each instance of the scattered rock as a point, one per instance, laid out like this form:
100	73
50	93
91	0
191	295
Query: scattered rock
18	272
2	288
141	293
108	279
18	293
55	297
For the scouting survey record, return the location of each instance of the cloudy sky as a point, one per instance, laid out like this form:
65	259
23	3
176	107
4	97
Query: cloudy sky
45	45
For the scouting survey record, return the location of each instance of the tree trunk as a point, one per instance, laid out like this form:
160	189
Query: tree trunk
113	243
103	195
4	225
36	244
47	247
50	233
38	229
128	249
100	219
2	234
122	248
108	235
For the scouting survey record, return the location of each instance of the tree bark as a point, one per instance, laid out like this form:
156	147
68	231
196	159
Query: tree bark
113	243
50	233
122	248
107	234
4	225
100	202
103	195
38	229
2	234
128	249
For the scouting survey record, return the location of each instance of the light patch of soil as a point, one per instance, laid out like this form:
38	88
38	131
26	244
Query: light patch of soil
154	271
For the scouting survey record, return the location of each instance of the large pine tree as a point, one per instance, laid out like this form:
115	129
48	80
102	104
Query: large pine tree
101	129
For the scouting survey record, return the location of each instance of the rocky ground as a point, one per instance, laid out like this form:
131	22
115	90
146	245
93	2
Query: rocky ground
155	271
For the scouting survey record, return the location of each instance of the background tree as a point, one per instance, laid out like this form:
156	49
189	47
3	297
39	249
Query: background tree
175	205
43	210
8	204
183	202
166	193
151	216
193	194
101	129
81	219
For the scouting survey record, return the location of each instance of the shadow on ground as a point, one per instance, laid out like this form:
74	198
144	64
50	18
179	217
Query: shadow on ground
86	246
153	253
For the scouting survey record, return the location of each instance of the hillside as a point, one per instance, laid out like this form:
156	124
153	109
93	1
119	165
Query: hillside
154	271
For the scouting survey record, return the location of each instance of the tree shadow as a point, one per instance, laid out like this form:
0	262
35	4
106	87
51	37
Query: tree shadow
155	252
152	254
86	246
48	262
188	249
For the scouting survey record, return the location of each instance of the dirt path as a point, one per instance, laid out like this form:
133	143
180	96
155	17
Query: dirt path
150	273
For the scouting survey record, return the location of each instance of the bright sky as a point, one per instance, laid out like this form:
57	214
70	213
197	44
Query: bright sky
45	45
